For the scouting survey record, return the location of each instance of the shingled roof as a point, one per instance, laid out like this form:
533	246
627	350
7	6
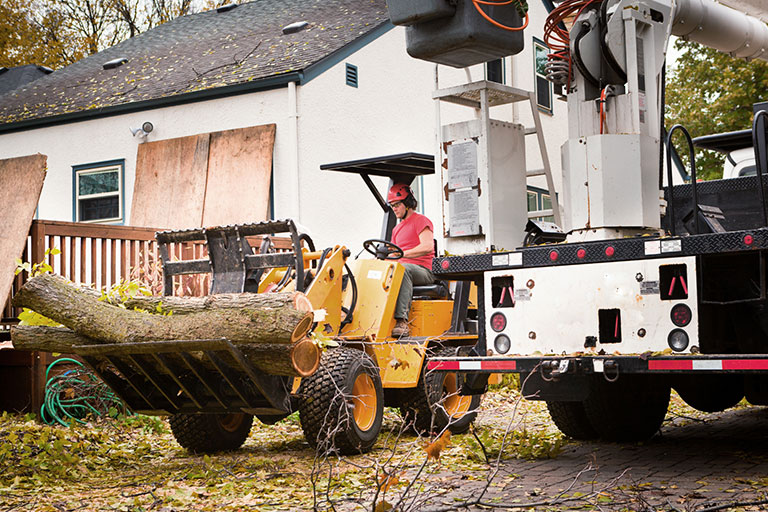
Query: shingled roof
198	56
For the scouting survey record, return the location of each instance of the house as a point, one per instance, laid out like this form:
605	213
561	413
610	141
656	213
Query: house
332	76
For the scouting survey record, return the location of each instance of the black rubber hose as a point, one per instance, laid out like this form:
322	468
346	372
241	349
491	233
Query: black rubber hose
661	121
692	156
352	304
760	115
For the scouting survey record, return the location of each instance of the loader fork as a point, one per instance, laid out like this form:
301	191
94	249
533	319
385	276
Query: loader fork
233	266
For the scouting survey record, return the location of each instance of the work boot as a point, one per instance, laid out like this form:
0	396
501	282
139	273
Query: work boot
401	328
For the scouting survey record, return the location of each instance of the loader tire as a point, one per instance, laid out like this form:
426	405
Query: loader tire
628	410
436	404
341	405
571	419
209	433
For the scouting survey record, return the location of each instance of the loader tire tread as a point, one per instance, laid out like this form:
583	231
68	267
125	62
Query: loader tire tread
423	406
324	403
210	433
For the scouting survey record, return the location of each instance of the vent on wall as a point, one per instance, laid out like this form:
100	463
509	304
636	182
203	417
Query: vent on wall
351	75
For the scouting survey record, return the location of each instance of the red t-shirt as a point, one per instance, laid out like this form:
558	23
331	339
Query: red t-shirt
406	236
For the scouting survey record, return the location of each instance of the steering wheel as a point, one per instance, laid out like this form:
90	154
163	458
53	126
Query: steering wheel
383	249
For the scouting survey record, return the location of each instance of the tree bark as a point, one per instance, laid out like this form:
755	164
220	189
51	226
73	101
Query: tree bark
187	305
299	359
272	318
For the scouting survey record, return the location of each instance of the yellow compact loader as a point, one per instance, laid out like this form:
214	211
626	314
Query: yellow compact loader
362	369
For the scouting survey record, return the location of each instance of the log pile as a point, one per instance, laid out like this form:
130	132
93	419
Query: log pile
270	329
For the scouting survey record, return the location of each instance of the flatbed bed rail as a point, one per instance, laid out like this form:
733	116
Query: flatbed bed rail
609	365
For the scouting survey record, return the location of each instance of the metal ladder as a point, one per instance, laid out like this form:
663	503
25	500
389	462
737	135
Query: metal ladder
481	96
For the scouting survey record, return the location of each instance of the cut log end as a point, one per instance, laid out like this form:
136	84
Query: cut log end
301	302
302	328
305	357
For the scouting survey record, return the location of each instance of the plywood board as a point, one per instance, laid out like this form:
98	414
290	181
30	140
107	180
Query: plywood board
239	170
170	183
22	181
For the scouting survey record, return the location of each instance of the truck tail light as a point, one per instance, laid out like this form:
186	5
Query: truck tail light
498	322
681	315
502	343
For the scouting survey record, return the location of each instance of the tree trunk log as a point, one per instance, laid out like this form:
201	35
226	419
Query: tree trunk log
273	318
187	305
299	359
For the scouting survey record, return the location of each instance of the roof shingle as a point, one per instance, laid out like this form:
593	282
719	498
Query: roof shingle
199	52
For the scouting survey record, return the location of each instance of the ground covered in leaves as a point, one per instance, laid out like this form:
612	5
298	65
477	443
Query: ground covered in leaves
133	464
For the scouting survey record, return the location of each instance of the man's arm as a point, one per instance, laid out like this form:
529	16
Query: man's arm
426	245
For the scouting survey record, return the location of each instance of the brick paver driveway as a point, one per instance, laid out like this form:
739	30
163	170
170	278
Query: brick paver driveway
714	462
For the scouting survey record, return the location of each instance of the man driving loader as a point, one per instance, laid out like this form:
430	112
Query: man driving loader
414	234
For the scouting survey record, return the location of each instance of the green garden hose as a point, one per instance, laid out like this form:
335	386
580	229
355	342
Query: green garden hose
77	394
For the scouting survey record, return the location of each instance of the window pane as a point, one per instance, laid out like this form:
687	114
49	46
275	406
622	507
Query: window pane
98	182
495	71
543	93
532	203
99	208
546	202
540	56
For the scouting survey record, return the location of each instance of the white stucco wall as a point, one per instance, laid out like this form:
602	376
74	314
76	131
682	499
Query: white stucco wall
391	111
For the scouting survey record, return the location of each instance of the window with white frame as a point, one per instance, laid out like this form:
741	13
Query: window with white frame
98	192
542	85
538	200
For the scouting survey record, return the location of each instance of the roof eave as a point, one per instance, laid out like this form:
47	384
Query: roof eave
272	82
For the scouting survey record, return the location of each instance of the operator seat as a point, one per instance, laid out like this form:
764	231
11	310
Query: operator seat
437	290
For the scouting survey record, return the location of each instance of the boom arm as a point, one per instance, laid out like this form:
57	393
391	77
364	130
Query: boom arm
722	28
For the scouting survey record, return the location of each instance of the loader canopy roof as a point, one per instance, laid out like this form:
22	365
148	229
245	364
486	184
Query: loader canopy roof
400	168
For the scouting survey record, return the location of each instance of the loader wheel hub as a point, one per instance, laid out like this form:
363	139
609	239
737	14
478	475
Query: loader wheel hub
455	404
364	401
231	422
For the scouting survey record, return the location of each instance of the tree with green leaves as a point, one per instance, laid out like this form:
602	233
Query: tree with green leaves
711	92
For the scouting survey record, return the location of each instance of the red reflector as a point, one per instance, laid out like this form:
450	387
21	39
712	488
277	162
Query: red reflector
553	255
581	254
498	322
609	251
681	315
445	264
749	239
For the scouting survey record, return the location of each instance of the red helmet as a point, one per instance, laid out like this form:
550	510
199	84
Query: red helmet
398	192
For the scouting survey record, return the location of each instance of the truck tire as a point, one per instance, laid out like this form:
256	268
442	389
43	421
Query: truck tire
435	403
571	420
710	393
209	433
630	409
341	405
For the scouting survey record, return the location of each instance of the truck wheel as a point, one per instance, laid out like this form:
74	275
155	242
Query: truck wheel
630	409
436	404
341	405
710	393
571	420
208	433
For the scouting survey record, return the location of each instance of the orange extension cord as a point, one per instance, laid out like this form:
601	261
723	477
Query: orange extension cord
478	3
